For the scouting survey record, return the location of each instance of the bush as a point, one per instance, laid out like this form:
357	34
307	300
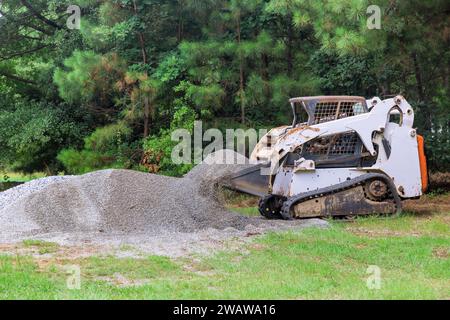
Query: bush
31	135
106	147
79	162
158	149
438	138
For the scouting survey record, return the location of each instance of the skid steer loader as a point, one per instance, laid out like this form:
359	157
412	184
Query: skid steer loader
342	156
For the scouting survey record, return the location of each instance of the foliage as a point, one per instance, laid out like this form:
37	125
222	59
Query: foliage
32	134
232	62
438	141
158	148
76	85
345	74
91	80
106	147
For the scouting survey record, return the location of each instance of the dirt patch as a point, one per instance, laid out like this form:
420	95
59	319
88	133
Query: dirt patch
440	181
427	204
441	253
123	282
376	233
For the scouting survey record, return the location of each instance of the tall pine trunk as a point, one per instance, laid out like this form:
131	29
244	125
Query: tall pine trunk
265	74
144	61
146	117
289	49
180	26
421	91
418	75
241	70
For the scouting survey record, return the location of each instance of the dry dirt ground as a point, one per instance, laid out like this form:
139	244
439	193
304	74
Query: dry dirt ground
428	204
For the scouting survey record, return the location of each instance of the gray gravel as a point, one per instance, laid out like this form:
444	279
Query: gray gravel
159	214
14	194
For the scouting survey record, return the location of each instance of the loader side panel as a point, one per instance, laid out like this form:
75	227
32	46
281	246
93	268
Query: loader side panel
289	184
403	164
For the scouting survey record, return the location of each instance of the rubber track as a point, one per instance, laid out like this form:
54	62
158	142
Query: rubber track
294	200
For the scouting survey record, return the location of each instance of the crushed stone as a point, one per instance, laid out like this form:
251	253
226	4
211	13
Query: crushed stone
157	214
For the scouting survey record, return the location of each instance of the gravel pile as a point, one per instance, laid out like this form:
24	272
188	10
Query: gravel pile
14	194
123	206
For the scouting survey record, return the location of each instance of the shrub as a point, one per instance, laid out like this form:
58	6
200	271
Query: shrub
106	147
158	148
31	135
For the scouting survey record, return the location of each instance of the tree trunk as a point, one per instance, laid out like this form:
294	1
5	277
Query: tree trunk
265	67
141	37
418	76
241	91
289	54
144	61
265	74
241	70
421	93
180	24
446	76
146	117
179	30
144	51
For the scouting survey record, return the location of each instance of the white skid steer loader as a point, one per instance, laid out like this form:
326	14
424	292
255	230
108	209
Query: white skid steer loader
342	156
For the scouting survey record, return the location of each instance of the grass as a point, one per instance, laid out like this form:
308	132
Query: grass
408	224
43	247
20	177
148	268
332	264
411	251
249	212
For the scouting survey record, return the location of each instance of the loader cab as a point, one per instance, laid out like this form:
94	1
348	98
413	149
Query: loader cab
321	109
343	150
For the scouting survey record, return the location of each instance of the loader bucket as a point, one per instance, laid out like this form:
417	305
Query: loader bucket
250	181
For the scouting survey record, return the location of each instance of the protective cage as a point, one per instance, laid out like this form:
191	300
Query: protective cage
322	109
342	150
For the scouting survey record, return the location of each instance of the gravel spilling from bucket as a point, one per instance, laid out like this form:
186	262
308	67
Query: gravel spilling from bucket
121	206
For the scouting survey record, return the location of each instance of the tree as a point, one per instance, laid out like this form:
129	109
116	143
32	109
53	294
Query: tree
90	80
230	63
142	92
32	134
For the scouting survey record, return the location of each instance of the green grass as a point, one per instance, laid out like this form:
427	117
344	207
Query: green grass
42	246
408	223
249	212
148	268
20	177
411	252
333	264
